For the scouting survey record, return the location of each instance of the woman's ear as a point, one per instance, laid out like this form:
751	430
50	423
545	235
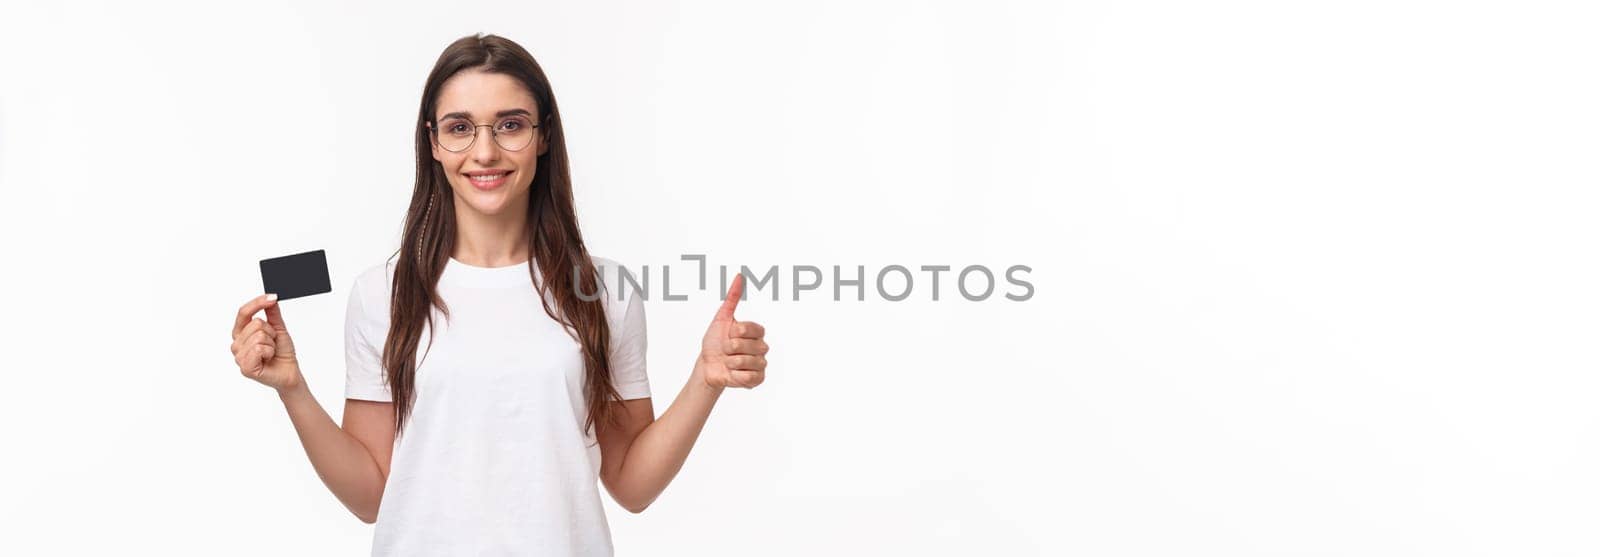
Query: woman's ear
433	146
544	135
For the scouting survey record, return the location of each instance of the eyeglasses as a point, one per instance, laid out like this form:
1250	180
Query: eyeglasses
512	133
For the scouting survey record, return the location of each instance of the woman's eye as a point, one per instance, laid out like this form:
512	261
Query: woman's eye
456	128
510	125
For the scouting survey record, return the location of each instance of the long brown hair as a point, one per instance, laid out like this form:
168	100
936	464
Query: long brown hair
557	247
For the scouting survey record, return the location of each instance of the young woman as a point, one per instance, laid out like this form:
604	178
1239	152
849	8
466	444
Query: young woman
490	440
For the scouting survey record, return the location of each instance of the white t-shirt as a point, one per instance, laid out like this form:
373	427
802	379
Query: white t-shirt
494	459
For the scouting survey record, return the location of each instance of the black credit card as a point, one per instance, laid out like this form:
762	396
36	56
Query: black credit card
294	276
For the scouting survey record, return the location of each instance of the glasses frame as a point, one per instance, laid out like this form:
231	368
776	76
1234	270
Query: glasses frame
433	132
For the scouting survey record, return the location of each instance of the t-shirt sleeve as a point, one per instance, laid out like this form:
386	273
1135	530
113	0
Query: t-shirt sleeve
628	342
363	376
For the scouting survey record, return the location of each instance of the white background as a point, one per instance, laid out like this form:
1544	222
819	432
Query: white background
1311	278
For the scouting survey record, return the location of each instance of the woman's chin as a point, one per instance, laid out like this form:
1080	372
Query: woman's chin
485	202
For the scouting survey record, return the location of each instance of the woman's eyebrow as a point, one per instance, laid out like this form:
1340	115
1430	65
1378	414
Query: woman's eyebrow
501	114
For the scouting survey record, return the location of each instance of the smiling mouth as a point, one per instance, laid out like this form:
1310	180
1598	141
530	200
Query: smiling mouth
486	178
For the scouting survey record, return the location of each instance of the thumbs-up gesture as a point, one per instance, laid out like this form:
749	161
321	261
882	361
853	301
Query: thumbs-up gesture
733	353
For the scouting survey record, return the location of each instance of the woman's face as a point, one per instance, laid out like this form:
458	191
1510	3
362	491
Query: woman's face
487	178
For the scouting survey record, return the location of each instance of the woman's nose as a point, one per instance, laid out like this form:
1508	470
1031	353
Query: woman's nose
485	149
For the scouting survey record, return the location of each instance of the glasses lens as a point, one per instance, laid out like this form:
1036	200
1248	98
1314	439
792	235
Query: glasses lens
455	134
513	133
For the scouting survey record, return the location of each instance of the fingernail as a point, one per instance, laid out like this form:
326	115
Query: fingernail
272	297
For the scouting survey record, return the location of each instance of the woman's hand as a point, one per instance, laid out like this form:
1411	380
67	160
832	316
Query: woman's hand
263	349
733	353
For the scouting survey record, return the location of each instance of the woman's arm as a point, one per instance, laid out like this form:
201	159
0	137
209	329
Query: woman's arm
640	455
353	461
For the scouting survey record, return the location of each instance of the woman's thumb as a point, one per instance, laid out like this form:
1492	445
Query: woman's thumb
275	316
283	345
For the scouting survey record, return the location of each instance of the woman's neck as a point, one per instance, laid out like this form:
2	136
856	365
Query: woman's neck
490	240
